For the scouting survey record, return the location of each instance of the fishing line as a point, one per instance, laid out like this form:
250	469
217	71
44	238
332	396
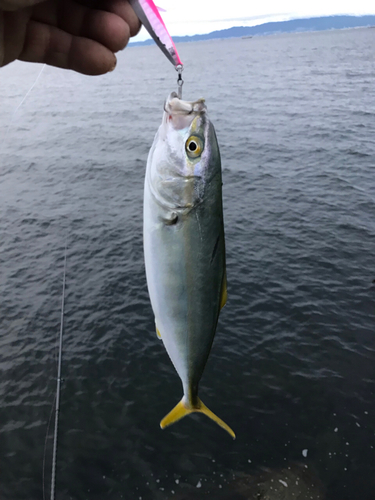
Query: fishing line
20	104
45	448
179	68
58	387
56	403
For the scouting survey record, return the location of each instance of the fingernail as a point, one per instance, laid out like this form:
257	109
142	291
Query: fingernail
114	64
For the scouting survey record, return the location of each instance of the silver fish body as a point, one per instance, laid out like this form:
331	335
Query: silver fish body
184	244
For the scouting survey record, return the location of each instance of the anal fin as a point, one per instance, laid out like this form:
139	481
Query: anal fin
157	330
224	293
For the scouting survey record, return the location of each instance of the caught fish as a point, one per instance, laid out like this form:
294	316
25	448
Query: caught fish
184	244
149	16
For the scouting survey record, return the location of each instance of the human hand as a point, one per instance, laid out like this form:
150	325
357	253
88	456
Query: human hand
66	33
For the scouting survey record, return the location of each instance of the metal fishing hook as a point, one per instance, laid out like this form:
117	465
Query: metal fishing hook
180	82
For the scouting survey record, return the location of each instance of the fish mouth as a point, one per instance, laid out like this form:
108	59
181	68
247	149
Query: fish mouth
182	113
174	105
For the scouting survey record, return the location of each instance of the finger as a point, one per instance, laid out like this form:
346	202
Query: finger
50	45
14	29
121	8
125	11
9	5
106	28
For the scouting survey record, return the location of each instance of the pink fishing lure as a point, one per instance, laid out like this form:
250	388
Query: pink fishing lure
149	16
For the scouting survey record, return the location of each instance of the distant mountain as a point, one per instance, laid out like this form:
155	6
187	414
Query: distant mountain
293	26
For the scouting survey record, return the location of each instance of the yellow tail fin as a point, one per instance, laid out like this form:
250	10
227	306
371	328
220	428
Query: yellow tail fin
181	410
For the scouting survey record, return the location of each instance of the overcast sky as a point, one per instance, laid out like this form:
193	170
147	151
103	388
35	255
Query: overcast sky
190	17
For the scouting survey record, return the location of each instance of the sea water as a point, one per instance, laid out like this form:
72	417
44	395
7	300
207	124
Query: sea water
292	365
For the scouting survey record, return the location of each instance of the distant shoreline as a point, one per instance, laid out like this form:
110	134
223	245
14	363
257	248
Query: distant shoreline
312	24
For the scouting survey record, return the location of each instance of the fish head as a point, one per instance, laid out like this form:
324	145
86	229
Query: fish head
185	154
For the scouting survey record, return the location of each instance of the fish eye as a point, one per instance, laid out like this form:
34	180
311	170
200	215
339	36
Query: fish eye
194	146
